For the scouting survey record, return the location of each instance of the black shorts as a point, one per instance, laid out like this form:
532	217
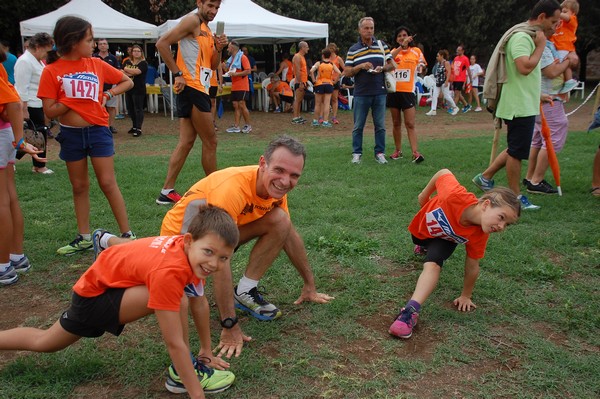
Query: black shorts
287	99
438	250
520	132
212	91
458	85
325	88
297	86
401	100
239	95
190	97
92	317
336	85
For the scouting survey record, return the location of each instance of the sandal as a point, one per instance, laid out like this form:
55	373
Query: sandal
595	191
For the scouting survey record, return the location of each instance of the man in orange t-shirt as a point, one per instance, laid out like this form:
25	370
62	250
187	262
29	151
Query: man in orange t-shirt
239	69
256	198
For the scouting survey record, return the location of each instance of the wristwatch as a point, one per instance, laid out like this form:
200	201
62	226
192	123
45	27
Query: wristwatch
229	322
178	74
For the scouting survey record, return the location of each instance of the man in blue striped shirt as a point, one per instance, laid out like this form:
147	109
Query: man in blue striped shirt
367	60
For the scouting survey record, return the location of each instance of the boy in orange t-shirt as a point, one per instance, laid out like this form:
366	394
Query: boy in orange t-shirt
454	216
564	40
133	280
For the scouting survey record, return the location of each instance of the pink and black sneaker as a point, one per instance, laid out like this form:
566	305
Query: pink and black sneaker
403	326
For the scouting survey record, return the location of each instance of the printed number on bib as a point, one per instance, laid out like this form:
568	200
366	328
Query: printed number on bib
205	75
402	75
81	86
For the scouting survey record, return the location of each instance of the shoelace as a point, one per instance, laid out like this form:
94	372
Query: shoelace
255	293
406	315
76	241
202	368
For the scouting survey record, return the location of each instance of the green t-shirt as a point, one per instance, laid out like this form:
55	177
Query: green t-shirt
521	93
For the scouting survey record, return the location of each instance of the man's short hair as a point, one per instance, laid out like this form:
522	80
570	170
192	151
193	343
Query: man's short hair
546	7
236	44
288	142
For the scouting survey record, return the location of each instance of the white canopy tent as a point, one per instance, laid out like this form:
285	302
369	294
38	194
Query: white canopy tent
248	22
106	22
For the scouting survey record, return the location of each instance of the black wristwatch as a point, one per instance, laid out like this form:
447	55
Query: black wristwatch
229	322
178	74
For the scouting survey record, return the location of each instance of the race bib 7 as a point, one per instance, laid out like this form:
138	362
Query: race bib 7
81	86
205	75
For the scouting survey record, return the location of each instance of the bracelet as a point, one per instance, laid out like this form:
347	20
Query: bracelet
112	93
108	94
20	144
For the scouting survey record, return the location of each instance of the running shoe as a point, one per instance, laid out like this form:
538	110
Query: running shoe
253	303
169	199
396	155
9	276
483	183
246	129
77	245
233	129
21	265
356	158
380	158
403	326
212	380
526	205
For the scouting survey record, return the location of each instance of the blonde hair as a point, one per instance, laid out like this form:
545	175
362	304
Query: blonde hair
572	5
502	196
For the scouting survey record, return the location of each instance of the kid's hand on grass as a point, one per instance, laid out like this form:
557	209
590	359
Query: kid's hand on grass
464	304
213	361
309	295
232	341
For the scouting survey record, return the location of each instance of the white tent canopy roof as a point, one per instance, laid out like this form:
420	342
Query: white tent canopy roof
247	22
106	22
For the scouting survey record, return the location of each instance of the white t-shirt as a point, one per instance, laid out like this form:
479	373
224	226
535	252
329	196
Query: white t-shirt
475	71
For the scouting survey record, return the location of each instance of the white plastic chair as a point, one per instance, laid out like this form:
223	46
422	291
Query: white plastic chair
309	88
580	87
266	98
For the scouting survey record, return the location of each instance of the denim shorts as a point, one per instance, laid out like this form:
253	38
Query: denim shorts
77	143
7	150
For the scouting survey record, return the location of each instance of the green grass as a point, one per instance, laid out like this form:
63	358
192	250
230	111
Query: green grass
534	334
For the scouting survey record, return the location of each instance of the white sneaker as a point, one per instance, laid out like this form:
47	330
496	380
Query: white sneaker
246	129
380	158
454	111
356	158
433	112
478	109
233	129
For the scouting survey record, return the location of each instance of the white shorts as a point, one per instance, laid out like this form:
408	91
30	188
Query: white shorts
7	150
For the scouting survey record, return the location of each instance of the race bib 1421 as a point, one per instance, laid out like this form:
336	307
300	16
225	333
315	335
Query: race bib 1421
81	86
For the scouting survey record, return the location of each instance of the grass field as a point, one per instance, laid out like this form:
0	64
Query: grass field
535	333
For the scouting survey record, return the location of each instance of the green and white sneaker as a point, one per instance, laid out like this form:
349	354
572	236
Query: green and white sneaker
253	303
77	245
212	380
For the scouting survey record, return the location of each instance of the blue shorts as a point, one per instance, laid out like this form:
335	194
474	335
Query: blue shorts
520	133
77	143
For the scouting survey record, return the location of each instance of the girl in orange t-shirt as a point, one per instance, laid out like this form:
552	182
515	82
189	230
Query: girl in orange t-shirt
12	259
454	216
71	90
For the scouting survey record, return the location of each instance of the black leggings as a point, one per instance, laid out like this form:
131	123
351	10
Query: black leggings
37	117
438	250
